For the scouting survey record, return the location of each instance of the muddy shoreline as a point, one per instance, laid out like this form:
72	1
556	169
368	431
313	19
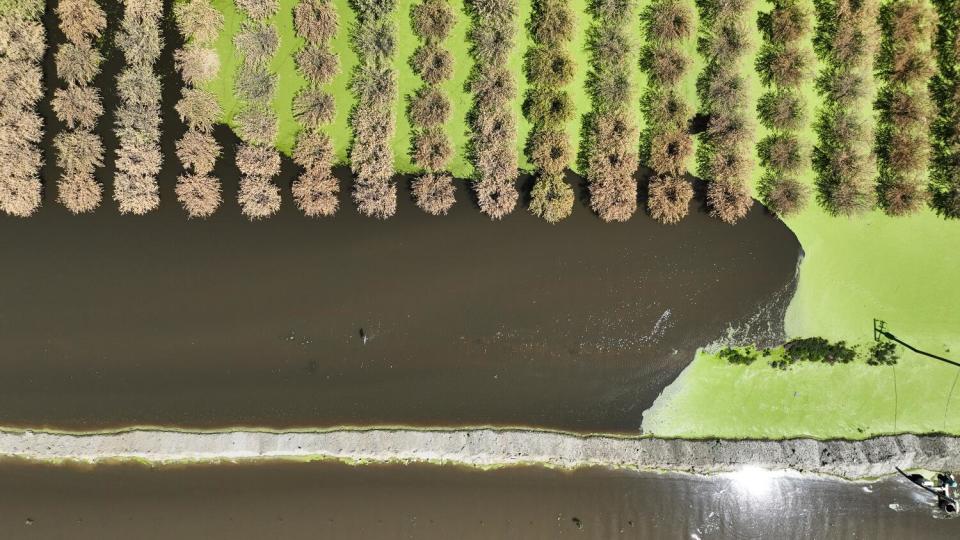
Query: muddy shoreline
485	448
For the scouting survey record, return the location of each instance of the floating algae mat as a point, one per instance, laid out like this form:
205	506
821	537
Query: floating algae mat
322	500
110	321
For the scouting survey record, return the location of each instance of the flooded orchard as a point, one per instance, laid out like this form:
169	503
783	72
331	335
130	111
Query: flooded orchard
112	320
311	500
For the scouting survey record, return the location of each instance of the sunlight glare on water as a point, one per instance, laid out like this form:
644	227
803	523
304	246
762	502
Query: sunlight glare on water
754	481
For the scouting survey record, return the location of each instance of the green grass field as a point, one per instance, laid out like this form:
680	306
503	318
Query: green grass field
902	270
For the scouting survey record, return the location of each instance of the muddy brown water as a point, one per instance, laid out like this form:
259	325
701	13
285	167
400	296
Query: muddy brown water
316	500
110	321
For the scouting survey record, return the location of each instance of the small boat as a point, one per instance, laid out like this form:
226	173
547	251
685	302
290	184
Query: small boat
943	486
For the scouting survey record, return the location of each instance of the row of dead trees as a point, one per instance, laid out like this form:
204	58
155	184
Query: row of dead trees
858	163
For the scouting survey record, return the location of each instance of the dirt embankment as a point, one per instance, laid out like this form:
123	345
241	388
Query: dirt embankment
493	448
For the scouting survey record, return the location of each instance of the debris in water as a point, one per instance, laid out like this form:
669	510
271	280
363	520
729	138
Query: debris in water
659	328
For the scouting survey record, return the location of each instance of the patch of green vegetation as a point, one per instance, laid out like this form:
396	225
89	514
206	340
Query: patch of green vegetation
712	398
902	270
738	355
289	80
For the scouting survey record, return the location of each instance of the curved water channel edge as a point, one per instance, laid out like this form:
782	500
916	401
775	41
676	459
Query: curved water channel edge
487	448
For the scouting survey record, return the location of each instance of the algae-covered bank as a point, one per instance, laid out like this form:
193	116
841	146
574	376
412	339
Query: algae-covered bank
900	269
903	271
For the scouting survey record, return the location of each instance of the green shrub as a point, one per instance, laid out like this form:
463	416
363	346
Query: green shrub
374	86
743	356
613	12
945	88
373	9
905	106
789	21
375	40
257	124
783	65
883	353
609	46
611	89
817	349
666	108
